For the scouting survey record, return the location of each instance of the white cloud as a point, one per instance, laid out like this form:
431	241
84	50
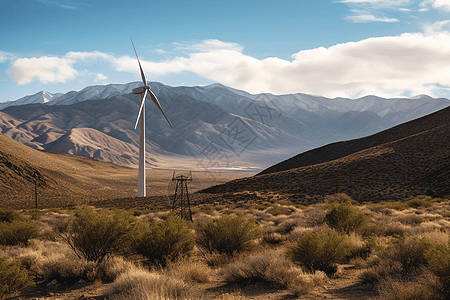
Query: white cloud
370	18
45	69
100	77
53	69
409	64
87	55
436	4
442	4
4	56
437	27
364	11
378	2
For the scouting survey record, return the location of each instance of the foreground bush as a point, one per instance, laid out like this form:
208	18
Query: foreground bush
13	277
409	253
416	289
344	217
163	241
321	251
439	262
273	268
404	259
93	235
227	235
139	284
8	215
17	232
419	202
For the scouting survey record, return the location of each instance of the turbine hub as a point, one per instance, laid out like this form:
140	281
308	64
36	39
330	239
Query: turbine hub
140	90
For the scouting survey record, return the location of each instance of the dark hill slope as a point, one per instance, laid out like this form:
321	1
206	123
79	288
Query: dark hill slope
64	180
408	160
340	149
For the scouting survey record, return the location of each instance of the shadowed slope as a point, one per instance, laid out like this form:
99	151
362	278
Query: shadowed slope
67	180
341	149
64	179
407	160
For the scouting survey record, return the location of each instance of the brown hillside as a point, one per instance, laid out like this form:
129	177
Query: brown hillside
340	149
405	161
64	179
69	180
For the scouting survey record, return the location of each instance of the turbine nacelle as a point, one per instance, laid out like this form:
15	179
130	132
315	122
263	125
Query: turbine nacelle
140	90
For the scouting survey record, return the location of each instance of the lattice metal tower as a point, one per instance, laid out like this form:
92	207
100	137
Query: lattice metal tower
181	205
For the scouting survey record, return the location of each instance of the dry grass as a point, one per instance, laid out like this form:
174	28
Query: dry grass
196	271
140	284
52	260
419	288
273	268
210	276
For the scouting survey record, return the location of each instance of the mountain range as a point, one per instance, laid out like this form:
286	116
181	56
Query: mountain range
405	161
215	127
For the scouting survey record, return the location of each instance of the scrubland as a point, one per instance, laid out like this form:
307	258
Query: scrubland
336	249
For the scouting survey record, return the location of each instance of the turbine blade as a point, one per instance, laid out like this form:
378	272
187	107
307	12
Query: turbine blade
155	100
142	71
140	109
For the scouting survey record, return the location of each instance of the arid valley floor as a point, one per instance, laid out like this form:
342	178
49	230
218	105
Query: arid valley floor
361	219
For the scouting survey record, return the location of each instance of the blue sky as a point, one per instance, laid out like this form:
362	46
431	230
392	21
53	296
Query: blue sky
347	48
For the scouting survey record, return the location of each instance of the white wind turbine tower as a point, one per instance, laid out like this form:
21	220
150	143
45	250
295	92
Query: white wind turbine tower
143	90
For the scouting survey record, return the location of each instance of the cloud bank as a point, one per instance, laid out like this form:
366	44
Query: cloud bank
404	65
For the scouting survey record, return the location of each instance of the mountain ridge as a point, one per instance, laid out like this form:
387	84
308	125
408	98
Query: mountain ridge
207	117
405	161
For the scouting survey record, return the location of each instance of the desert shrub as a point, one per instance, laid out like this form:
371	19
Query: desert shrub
263	206
94	235
189	271
344	217
314	216
364	249
275	211
271	267
370	229
273	238
163	241
55	260
394	228
418	202
13	277
382	269
35	213
403	259
17	232
8	215
321	251
227	235
392	289
338	198
439	262
397	205
409	253
207	209
411	219
111	268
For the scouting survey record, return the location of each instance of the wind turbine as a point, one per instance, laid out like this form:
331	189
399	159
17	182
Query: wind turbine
143	90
